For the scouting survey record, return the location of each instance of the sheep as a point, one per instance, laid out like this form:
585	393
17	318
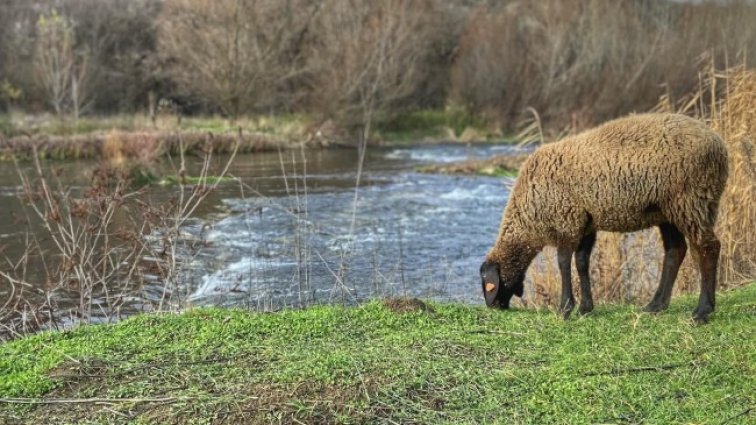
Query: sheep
663	170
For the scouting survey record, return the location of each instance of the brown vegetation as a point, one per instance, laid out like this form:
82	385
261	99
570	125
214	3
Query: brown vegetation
727	100
236	55
582	63
406	305
138	145
577	63
106	242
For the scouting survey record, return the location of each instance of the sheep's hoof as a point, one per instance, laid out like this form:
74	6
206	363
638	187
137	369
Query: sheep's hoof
566	310
585	308
654	307
701	315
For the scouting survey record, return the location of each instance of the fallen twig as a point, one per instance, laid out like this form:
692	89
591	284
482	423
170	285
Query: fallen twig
95	400
622	371
489	331
743	413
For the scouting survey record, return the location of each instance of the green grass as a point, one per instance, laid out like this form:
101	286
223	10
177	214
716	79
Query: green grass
67	126
435	124
455	364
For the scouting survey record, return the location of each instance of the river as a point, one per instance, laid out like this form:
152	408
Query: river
298	234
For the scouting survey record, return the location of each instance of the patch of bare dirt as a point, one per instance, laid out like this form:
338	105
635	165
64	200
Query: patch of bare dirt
406	305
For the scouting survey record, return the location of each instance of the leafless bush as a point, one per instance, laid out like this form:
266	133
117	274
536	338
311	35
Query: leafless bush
108	243
371	58
580	63
236	54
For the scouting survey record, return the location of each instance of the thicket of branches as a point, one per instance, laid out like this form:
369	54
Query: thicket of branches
575	62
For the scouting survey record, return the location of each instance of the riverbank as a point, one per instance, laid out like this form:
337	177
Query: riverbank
138	138
395	362
65	139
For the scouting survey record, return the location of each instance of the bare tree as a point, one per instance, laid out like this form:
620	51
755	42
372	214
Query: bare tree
78	87
61	69
234	54
373	57
54	58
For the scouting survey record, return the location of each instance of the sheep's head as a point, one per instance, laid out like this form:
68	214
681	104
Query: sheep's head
497	290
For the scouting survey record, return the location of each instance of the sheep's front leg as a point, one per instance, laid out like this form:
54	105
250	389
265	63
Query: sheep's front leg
674	254
582	262
564	258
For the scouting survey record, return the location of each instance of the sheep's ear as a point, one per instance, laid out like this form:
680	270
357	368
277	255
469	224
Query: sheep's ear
489	276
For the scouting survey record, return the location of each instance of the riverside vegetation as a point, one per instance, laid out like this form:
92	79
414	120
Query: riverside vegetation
576	63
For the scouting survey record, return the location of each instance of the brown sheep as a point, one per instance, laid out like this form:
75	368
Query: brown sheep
629	174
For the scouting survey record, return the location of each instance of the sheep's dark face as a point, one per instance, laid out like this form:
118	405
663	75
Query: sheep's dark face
496	291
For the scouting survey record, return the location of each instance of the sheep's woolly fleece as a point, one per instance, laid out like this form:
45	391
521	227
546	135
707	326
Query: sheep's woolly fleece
625	175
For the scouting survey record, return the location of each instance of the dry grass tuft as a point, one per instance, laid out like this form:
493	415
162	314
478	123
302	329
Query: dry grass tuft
625	267
141	146
406	305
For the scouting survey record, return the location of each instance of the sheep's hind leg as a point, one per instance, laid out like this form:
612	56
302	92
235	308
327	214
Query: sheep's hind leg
564	258
582	263
674	254
707	255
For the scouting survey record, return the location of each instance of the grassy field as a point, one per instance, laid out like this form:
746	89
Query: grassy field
394	362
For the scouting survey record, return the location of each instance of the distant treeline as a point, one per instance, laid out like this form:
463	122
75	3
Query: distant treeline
575	62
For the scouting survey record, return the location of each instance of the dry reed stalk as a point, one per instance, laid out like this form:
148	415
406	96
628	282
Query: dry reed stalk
726	100
733	115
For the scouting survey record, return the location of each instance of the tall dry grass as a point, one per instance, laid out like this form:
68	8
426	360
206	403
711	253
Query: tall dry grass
727	101
583	62
140	144
625	267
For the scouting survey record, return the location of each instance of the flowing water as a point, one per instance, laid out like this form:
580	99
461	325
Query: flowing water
298	234
311	240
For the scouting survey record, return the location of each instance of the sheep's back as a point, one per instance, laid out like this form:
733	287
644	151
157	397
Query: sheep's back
625	175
